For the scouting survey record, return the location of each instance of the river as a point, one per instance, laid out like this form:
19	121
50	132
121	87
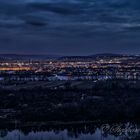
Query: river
83	132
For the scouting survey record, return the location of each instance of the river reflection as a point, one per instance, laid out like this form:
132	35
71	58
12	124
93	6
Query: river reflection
73	132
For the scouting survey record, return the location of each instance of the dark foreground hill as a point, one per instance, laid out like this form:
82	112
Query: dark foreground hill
105	101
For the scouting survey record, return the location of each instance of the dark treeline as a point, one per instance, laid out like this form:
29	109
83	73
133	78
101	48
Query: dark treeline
105	101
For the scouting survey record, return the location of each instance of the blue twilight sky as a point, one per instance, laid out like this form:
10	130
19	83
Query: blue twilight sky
70	27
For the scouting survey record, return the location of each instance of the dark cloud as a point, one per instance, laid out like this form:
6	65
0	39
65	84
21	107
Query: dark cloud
59	8
69	27
34	21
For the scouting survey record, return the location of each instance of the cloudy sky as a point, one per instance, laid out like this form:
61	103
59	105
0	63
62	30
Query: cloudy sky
70	27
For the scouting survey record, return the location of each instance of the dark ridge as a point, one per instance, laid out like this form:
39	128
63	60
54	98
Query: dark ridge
27	57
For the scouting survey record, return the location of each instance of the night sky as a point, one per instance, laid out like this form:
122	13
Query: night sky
70	27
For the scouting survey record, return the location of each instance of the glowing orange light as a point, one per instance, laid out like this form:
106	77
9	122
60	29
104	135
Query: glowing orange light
15	69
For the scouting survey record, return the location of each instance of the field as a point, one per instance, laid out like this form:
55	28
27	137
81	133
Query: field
70	101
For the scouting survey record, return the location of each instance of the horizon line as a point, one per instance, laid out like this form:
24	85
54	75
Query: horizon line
41	54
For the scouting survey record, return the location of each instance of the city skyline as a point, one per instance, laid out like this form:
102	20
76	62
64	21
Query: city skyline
72	27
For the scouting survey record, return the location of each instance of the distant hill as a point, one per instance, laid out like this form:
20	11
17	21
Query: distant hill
107	55
93	57
27	57
62	58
